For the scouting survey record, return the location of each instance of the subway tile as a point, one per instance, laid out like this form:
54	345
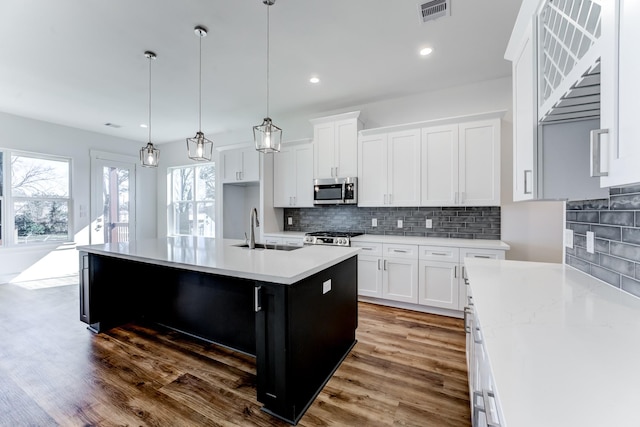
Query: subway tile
624	218
487	236
628	189
461	235
618	265
571	216
414	233
631	235
580	240
588	216
637	213
630	252
579	264
638	271
586	256
605	275
625	202
606	232
579	228
601	245
631	286
614	190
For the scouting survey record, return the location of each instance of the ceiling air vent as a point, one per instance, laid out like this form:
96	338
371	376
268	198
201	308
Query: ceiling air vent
433	9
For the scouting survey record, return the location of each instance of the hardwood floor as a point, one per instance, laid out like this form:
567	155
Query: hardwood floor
407	369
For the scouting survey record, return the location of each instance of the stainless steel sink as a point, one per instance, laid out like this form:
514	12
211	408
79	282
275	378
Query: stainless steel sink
262	246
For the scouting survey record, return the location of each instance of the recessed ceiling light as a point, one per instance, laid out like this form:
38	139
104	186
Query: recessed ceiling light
314	80
142	125
426	51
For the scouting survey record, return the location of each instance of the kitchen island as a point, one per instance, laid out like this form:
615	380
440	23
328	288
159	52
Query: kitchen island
294	310
561	347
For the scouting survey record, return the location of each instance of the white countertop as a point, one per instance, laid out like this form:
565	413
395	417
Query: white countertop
220	256
563	346
433	241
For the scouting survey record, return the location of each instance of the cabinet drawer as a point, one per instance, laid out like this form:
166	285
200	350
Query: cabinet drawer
373	249
272	240
439	253
480	253
400	251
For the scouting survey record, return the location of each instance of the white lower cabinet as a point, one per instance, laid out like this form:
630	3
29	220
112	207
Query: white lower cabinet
428	276
485	408
388	271
439	280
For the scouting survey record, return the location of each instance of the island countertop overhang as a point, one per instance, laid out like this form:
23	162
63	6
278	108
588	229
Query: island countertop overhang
224	257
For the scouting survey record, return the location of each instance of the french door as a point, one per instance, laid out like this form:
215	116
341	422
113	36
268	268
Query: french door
113	184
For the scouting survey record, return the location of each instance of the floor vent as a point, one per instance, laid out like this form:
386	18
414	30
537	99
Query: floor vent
434	9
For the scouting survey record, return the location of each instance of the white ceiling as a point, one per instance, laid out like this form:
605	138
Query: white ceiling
81	63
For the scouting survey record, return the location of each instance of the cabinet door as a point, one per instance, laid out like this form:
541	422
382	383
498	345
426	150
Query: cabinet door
231	165
620	89
479	163
439	284
303	159
324	150
403	166
439	168
346	148
250	165
400	279
284	177
524	118
372	163
370	276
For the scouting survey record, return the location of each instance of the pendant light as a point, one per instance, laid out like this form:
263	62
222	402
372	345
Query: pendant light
200	148
149	155
267	136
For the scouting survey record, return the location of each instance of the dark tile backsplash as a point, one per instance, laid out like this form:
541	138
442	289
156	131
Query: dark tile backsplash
448	222
615	223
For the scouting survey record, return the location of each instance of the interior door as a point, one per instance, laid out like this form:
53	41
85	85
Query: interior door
112	200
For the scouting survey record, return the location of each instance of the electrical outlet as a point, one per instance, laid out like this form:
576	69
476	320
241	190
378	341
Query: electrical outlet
374	222
428	223
568	238
326	286
399	223
289	220
590	241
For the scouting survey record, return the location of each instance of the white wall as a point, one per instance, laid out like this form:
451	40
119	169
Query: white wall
533	229
30	263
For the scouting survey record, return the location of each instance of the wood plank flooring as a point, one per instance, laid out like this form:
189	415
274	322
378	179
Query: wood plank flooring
407	369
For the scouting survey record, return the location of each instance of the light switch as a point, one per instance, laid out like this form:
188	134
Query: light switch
326	286
568	238
590	241
399	223
289	220
428	223
374	222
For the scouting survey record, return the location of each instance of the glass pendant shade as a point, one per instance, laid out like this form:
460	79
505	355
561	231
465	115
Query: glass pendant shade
267	137
149	156
199	148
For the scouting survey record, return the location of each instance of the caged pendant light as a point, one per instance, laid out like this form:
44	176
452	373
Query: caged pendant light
267	136
200	148
149	155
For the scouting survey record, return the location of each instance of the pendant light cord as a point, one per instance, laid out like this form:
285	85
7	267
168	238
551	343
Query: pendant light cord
150	59
268	7
200	87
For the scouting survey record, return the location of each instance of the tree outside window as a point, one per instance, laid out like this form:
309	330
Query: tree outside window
192	207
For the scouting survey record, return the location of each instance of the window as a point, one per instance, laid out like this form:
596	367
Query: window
192	200
35	201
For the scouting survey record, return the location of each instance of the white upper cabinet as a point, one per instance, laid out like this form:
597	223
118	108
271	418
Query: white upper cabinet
389	165
461	164
293	176
620	91
240	165
335	140
439	165
525	120
479	163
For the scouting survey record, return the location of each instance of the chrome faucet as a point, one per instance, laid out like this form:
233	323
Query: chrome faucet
253	222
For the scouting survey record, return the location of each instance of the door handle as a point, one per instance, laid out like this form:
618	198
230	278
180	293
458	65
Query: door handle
527	190
256	298
379	263
596	153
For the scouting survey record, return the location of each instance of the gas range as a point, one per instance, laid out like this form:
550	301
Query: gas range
334	238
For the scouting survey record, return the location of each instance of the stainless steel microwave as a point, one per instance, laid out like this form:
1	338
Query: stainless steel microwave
335	191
